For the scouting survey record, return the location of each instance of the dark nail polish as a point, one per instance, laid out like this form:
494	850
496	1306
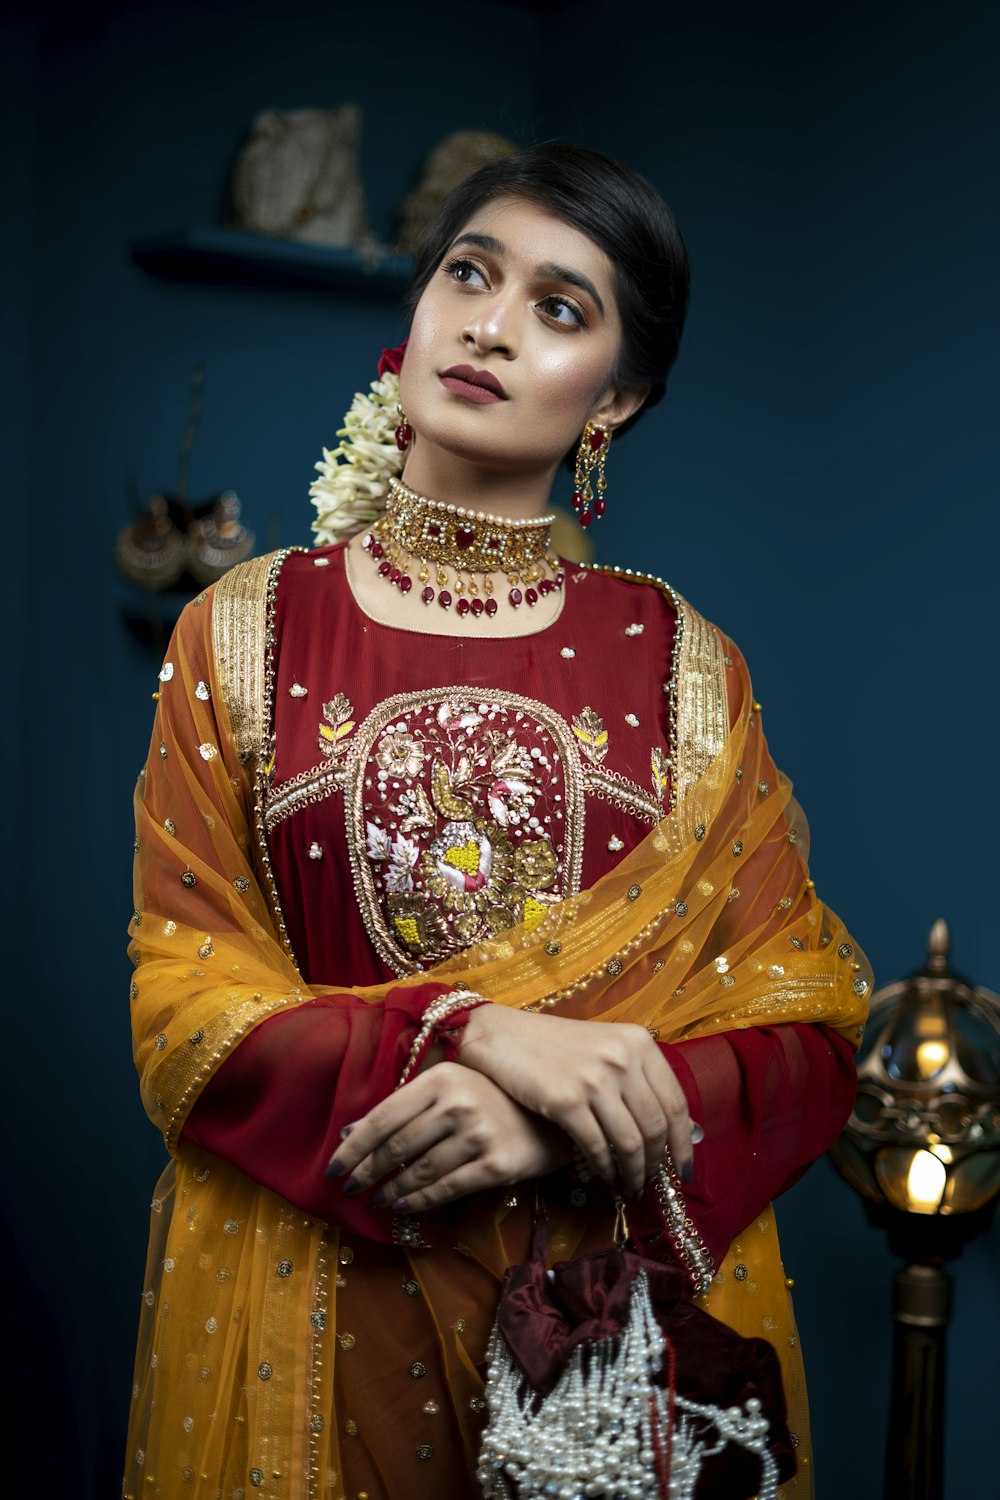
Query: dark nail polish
402	1206
335	1169
687	1171
351	1186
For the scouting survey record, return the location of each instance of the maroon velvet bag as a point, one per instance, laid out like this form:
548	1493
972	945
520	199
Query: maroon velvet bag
605	1380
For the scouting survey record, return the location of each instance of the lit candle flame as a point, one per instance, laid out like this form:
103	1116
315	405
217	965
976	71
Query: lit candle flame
931	1057
925	1183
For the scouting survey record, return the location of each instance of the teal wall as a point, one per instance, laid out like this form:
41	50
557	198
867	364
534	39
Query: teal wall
817	483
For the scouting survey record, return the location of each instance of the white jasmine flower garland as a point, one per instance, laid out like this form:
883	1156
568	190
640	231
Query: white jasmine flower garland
354	477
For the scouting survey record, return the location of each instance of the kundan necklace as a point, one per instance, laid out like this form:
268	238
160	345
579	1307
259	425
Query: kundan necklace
454	553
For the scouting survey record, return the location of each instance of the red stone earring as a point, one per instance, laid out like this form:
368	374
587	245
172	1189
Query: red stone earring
591	454
404	432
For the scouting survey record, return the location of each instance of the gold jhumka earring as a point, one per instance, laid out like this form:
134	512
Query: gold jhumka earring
404	432
591	453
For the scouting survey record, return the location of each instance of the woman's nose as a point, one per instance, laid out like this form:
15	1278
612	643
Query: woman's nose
494	327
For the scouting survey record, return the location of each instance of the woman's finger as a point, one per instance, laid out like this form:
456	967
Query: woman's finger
388	1117
590	1140
426	1169
625	1140
650	1117
411	1143
673	1101
679	1145
471	1177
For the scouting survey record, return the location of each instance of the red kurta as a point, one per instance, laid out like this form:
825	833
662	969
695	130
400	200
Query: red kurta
430	790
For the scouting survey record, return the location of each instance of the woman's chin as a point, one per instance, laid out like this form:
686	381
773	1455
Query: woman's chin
474	450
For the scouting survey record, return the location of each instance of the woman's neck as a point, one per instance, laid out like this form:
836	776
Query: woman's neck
476	486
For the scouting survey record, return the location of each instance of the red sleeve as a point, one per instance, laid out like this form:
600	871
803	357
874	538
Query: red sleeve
277	1105
770	1100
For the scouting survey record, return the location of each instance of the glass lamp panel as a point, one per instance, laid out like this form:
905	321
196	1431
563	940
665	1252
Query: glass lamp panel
856	1166
912	1179
918	1044
977	1043
972	1182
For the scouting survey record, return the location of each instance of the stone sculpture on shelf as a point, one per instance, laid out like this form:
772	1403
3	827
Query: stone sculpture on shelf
297	177
450	163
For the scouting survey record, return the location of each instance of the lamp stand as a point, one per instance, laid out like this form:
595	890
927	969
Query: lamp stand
921	1306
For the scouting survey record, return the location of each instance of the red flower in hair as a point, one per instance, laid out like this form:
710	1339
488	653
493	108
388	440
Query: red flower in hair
392	360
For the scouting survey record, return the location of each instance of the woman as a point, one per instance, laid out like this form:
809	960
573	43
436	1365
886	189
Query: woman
423	812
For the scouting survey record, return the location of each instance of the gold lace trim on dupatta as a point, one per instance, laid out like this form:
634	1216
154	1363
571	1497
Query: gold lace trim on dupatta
239	627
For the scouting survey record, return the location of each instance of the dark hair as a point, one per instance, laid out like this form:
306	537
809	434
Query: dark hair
620	212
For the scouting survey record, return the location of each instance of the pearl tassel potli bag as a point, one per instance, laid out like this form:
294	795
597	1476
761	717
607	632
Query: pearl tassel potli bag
617	1419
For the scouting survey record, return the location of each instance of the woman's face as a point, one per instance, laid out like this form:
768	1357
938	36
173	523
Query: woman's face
514	341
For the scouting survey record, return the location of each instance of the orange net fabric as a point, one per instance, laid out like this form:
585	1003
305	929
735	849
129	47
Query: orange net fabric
247	1379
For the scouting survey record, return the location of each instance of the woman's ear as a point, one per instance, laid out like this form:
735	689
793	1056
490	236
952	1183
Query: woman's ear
617	406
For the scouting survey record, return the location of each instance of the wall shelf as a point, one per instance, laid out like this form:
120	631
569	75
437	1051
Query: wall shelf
230	255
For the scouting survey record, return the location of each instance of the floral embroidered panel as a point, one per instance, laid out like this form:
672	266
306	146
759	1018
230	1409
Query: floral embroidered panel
407	820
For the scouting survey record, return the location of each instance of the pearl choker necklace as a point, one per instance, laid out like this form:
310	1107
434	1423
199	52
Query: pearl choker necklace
455	553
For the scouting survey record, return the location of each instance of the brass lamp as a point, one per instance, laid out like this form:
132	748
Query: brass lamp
922	1147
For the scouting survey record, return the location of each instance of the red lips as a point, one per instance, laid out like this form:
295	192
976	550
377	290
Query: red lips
481	378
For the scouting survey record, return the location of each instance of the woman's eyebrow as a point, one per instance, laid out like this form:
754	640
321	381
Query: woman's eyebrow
486	242
552	272
549	271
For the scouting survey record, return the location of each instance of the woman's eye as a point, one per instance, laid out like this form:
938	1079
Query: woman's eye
561	310
465	272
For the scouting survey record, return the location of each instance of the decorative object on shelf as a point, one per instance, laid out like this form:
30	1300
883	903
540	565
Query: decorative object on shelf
174	545
922	1147
297	177
449	164
153	550
217	539
177	544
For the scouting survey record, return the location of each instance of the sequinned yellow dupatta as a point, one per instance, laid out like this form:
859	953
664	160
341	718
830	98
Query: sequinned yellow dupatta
710	924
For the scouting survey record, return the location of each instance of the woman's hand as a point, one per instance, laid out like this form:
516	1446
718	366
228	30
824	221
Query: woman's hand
607	1085
457	1132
